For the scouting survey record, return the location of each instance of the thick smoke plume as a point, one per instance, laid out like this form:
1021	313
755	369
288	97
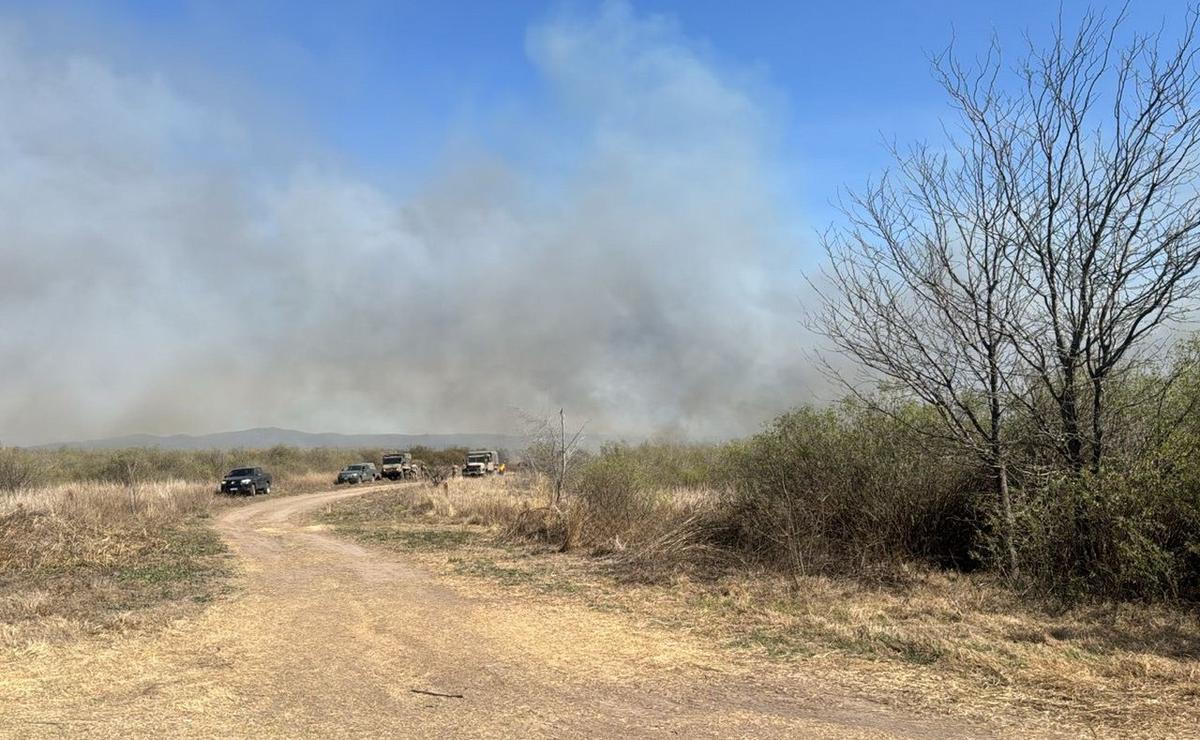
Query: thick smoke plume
627	258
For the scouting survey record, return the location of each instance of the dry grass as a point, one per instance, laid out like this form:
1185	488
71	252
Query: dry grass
489	503
662	533
94	502
289	484
80	558
951	640
922	639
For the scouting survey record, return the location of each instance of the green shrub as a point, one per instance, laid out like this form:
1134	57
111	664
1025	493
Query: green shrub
846	489
610	499
1130	532
664	465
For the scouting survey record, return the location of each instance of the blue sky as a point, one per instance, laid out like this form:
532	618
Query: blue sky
389	85
441	217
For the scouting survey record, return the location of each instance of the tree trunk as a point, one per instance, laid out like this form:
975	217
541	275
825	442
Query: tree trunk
1010	520
1097	423
562	457
1069	411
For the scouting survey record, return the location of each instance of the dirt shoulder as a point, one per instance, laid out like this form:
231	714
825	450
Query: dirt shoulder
326	637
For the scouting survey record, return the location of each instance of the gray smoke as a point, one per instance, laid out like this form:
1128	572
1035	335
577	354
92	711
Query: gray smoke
627	258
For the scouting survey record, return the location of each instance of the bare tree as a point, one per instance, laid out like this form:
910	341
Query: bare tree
920	291
1094	159
1036	254
550	451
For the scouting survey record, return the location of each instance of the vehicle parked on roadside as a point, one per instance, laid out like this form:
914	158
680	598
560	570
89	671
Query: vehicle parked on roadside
364	472
481	462
397	465
251	481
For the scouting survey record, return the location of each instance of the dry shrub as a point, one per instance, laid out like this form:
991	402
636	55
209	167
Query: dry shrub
542	524
622	507
608	501
840	491
609	512
19	470
678	543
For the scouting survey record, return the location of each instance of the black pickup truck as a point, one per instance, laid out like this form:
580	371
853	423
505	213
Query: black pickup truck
247	480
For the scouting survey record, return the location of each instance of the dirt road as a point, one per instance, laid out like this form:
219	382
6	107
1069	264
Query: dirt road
324	638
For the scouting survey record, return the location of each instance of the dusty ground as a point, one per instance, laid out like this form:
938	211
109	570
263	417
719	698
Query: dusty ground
325	638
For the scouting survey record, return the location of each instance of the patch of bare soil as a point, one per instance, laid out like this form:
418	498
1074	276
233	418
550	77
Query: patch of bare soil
328	638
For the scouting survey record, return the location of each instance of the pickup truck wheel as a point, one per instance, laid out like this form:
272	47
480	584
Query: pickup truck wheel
267	490
253	490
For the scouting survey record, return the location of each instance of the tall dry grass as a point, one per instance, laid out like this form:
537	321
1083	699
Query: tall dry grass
647	532
77	558
99	502
91	524
493	503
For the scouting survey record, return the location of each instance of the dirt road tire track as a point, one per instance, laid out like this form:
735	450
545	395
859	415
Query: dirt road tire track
326	638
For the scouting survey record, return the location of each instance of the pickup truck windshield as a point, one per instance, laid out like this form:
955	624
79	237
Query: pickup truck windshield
393	460
479	458
241	471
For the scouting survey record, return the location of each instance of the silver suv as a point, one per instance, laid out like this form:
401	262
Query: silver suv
358	473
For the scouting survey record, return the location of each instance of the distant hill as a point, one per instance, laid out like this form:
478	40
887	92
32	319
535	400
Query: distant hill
270	436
